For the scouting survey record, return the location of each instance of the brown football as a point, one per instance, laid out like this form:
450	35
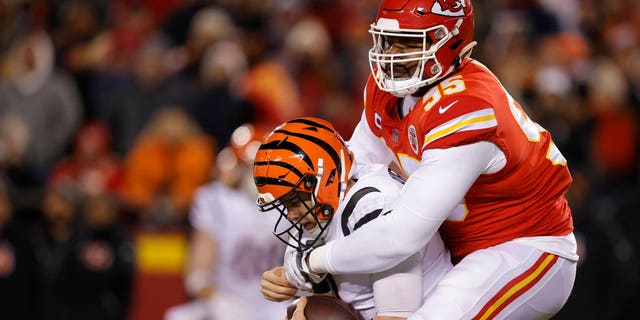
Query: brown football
321	307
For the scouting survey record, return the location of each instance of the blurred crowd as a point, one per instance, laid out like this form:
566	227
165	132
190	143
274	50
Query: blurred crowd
112	114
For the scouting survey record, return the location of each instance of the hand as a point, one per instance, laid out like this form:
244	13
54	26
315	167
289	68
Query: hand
297	271
298	313
275	286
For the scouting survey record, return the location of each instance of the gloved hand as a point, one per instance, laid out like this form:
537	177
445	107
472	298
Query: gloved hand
297	271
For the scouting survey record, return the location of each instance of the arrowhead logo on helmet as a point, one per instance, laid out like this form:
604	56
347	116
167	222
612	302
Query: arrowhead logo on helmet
449	8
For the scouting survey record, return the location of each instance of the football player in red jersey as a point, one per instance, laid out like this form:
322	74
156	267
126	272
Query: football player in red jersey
479	170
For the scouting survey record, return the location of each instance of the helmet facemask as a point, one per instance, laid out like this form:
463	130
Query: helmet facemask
428	68
293	233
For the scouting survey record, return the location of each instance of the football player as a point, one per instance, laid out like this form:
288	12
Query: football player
226	255
479	170
303	172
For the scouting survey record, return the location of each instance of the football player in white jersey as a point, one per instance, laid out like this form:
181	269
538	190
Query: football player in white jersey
480	172
302	171
228	253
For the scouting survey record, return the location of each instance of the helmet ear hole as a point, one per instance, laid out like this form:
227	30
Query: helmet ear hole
456	44
325	212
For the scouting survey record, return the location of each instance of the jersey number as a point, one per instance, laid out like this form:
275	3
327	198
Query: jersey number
447	87
533	130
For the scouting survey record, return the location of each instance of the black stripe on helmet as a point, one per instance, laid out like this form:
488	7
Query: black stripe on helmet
279	164
320	143
310	123
259	181
286	145
314	125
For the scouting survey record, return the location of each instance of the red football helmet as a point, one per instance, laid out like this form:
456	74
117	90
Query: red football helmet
234	162
302	156
243	144
441	31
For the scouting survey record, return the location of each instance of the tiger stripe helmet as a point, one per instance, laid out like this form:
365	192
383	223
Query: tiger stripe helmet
303	155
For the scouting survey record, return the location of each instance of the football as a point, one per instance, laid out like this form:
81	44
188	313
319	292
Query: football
321	307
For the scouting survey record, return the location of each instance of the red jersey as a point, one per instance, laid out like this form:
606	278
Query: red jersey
524	199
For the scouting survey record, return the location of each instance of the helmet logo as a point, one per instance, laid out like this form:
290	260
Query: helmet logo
413	138
449	8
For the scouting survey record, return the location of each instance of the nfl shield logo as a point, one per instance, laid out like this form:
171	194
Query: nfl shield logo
413	138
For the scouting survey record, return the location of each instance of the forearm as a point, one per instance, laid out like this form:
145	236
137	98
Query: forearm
352	254
201	260
391	238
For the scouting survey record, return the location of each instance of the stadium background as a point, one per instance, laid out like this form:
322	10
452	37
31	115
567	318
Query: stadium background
120	72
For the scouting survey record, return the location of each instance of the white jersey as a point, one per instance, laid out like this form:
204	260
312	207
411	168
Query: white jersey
371	196
245	251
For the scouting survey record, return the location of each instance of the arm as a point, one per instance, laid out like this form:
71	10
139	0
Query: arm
201	260
429	195
203	247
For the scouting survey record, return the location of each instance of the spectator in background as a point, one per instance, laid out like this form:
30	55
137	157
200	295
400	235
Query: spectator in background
136	98
107	258
309	57
92	163
54	244
17	264
39	107
227	254
85	262
307	49
80	42
269	85
209	25
614	120
170	159
216	103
